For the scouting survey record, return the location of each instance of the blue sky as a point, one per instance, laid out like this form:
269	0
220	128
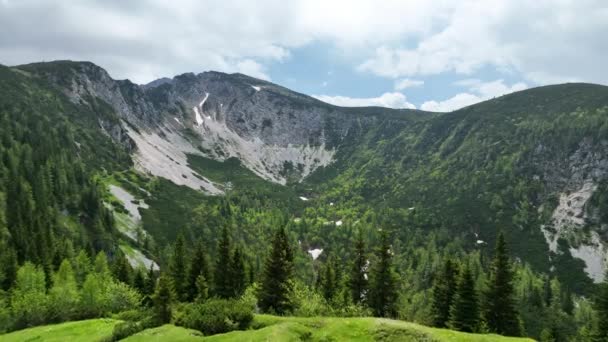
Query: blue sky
433	55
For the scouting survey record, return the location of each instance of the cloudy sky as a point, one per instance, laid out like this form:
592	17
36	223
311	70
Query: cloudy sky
433	55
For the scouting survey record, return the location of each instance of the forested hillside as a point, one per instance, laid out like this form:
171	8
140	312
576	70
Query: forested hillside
162	203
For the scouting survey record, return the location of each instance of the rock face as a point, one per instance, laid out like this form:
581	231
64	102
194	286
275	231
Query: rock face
279	134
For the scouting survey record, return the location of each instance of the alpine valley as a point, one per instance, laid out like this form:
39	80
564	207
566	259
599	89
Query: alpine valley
93	164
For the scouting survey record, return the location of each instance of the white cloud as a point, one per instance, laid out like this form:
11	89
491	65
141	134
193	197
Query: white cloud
546	41
478	91
407	83
391	100
252	68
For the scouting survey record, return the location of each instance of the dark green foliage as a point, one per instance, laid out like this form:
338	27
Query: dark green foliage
178	269
276	284
329	280
464	313
199	266
215	316
121	269
499	306
163	299
357	281
223	278
444	289
383	281
237	273
139	281
601	307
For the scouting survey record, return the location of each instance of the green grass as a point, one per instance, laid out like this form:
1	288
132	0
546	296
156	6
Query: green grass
89	330
273	328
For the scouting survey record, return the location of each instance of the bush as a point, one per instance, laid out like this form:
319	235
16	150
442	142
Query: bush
126	329
215	316
121	297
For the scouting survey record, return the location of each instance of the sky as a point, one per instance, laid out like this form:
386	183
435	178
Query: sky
432	55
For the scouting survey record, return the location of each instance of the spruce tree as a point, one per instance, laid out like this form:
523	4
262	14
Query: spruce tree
237	273
82	266
64	293
443	292
163	298
328	280
601	309
499	309
139	281
202	289
199	266
464	313
177	269
222	280
121	269
9	263
276	279
357	281
150	281
383	282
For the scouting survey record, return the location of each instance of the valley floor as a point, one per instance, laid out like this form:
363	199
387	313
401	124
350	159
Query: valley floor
266	328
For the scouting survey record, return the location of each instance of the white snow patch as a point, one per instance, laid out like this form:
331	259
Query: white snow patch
331	204
199	109
297	220
339	223
314	253
411	208
257	88
480	242
166	157
303	198
127	201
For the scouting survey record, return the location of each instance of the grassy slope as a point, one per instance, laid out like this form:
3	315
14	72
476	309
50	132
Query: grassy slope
89	330
272	328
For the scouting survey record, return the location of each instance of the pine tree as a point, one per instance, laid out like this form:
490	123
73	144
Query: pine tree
163	298
199	266
444	289
177	269
202	289
82	266
121	269
237	272
150	281
29	300
328	280
223	277
139	281
276	279
357	281
9	263
464	313
499	309
92	296
383	282
601	308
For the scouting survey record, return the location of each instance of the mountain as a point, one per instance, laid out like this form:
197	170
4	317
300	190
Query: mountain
533	163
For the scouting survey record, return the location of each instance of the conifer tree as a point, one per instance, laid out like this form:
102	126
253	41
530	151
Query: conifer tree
199	266
237	271
276	279
223	278
150	281
202	289
464	313
357	281
601	308
121	269
163	298
499	307
328	280
9	264
383	283
177	269
444	289
82	266
92	296
139	281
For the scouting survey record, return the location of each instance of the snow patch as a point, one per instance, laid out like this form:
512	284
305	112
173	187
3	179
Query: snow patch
166	157
314	253
257	88
303	198
339	223
199	109
480	242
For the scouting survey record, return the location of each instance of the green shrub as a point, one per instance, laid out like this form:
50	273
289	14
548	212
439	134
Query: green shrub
215	316
126	329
